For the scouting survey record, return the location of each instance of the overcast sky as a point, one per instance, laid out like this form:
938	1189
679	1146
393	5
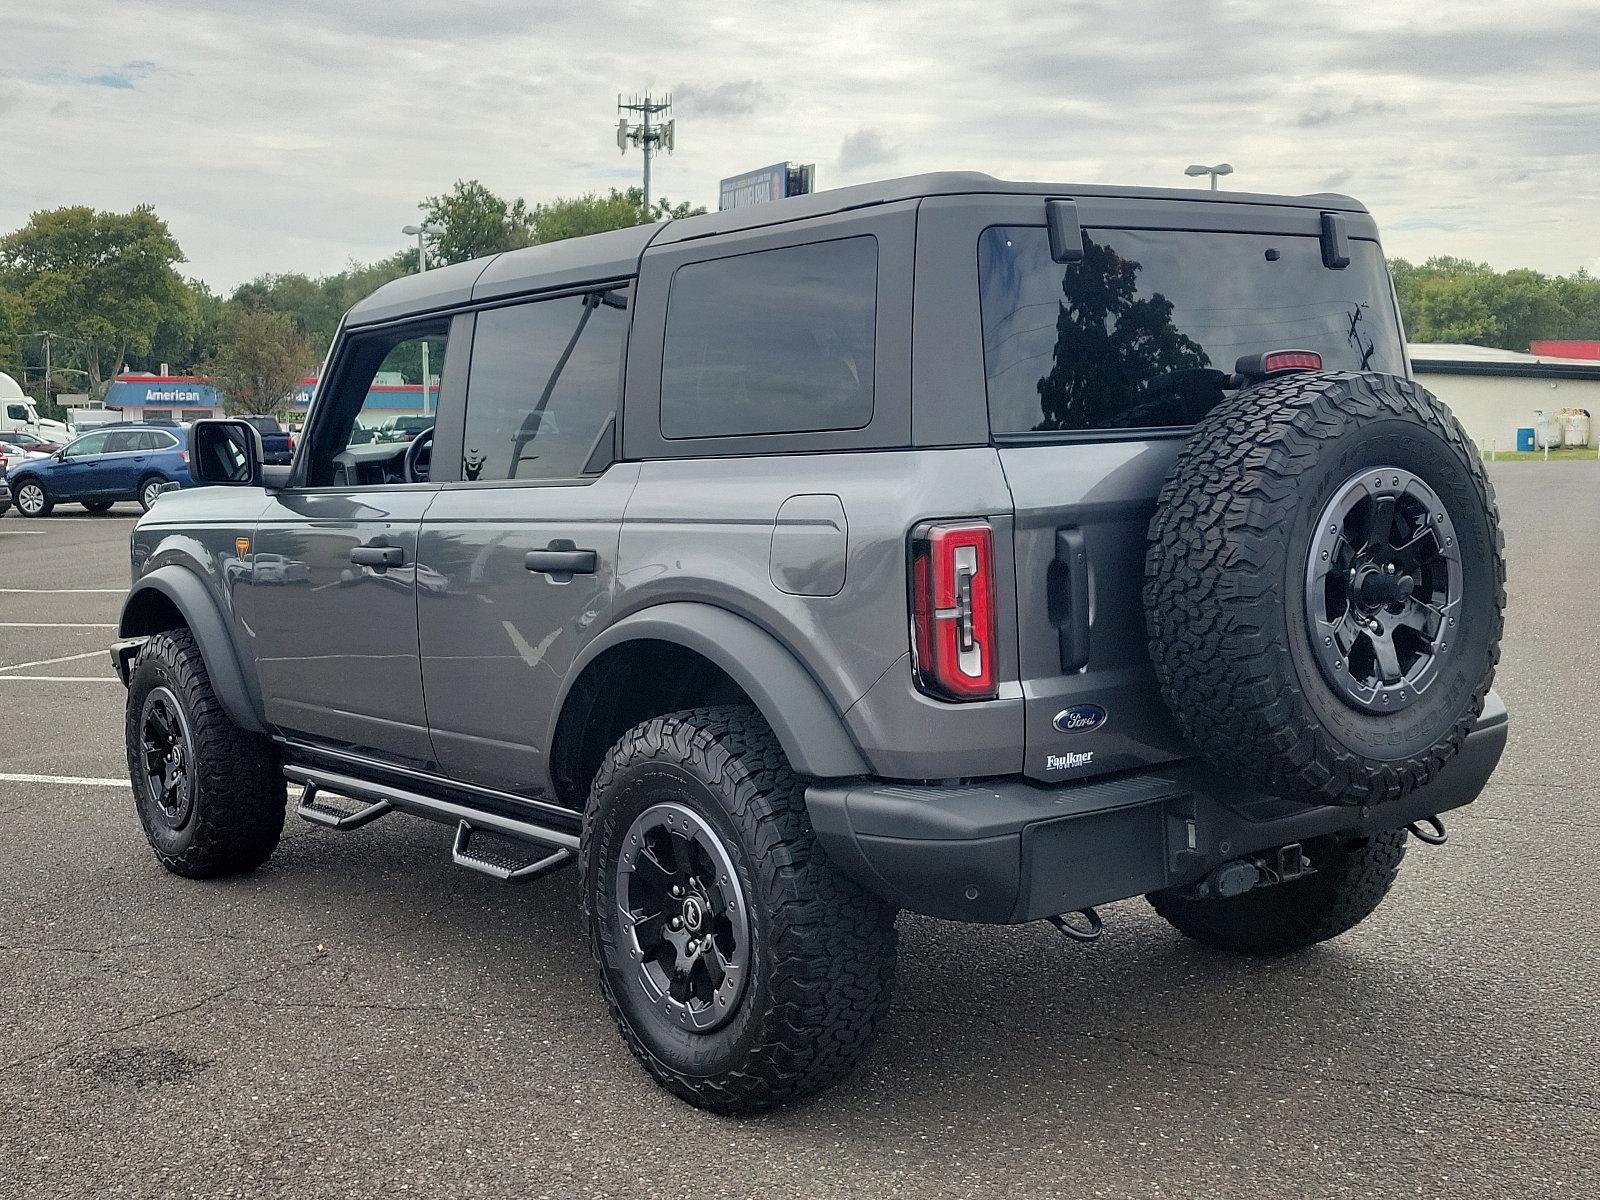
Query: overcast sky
285	135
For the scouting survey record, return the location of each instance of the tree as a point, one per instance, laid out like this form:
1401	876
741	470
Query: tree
1456	300
16	320
262	356
577	216
107	280
476	222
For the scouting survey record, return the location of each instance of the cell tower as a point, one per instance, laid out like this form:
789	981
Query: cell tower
647	135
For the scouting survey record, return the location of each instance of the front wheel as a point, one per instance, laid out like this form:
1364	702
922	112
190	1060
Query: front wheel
32	500
742	969
1349	879
150	492
209	794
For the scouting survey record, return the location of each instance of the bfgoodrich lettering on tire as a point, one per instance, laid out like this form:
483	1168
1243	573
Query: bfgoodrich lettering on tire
742	970
1324	587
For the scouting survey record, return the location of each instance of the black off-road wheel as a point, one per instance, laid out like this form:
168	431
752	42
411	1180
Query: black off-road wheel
210	795
1350	880
743	971
1324	588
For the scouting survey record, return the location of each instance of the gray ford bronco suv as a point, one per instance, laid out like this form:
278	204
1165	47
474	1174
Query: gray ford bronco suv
988	550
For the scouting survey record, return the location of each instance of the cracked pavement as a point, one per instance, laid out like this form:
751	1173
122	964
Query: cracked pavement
361	1018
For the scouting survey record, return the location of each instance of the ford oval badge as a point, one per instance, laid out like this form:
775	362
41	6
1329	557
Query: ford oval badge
1080	718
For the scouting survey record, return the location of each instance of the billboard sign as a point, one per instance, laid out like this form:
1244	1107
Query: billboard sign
767	184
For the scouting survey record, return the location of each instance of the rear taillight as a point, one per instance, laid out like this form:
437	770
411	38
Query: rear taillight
183	456
291	443
953	609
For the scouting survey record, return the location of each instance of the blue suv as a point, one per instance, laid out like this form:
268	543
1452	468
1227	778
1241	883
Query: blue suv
115	462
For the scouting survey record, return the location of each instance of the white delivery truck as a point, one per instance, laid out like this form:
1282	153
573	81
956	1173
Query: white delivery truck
18	413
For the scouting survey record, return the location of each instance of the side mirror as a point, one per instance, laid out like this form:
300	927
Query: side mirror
226	453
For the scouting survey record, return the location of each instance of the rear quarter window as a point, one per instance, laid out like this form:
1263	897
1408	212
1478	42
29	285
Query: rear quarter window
776	341
1140	333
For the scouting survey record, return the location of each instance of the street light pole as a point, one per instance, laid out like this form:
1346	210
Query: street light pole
421	232
1198	169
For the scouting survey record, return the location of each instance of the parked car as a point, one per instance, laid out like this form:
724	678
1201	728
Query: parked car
277	443
1120	556
117	462
405	429
30	441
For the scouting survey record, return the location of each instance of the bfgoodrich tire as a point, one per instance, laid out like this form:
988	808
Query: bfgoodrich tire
210	795
1350	880
1324	587
742	970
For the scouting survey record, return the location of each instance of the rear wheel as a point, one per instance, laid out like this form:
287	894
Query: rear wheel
209	794
32	500
1349	880
741	968
98	506
150	491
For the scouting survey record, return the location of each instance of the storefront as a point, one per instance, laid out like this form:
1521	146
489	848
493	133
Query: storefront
162	399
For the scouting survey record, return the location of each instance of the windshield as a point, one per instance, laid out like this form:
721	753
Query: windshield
1141	332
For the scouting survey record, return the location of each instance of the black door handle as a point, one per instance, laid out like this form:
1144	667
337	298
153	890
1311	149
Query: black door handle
379	557
1072	625
562	557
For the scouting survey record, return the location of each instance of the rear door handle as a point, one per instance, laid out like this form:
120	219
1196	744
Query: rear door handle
562	558
380	557
1072	628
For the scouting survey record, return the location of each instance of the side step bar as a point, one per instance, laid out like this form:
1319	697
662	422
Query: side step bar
481	836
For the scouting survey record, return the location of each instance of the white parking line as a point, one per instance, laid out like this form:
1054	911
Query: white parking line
57	625
64	591
46	662
59	679
79	780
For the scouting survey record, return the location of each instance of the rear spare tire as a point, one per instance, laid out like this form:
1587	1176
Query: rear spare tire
1324	587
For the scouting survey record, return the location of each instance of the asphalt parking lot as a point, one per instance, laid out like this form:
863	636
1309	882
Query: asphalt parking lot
361	1018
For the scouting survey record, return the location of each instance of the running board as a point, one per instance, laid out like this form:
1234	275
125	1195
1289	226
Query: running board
480	834
476	850
333	816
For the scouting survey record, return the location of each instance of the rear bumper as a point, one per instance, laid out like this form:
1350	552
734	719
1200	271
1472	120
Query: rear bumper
1007	851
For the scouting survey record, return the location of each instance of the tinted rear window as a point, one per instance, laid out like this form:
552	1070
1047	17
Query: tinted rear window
779	341
1134	335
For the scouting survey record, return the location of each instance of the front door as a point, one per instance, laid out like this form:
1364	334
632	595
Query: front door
333	565
519	554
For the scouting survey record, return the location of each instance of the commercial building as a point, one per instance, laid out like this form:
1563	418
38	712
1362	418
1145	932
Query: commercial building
1494	392
182	398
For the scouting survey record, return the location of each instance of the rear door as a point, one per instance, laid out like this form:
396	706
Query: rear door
1094	370
517	556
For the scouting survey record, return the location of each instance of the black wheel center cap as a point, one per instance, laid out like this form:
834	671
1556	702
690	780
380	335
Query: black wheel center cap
1381	587
693	914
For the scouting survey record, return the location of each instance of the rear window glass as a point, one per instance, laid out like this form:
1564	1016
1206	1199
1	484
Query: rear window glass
779	341
1138	334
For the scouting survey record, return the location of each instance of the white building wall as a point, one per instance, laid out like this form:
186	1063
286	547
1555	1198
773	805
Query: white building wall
1494	407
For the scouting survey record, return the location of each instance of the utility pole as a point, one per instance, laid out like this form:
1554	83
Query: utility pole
48	337
646	136
422	232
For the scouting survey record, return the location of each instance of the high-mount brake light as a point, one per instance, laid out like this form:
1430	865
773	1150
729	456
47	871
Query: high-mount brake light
953	609
1253	367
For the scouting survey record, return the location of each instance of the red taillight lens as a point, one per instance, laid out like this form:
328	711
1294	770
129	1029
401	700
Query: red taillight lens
183	456
953	609
291	443
1291	360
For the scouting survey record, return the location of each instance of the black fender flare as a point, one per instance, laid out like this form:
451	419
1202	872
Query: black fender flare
190	596
806	723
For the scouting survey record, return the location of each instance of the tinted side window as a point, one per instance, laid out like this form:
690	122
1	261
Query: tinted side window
17	412
543	386
1142	331
123	440
779	341
89	443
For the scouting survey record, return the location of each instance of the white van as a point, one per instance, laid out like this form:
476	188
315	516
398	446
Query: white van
18	413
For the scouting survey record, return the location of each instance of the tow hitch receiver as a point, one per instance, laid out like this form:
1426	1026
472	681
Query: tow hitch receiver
1244	874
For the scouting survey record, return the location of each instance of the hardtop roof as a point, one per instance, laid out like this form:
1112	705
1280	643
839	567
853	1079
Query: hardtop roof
615	254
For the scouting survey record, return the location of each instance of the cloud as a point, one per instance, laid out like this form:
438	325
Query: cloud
733	98
863	150
310	131
1316	117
